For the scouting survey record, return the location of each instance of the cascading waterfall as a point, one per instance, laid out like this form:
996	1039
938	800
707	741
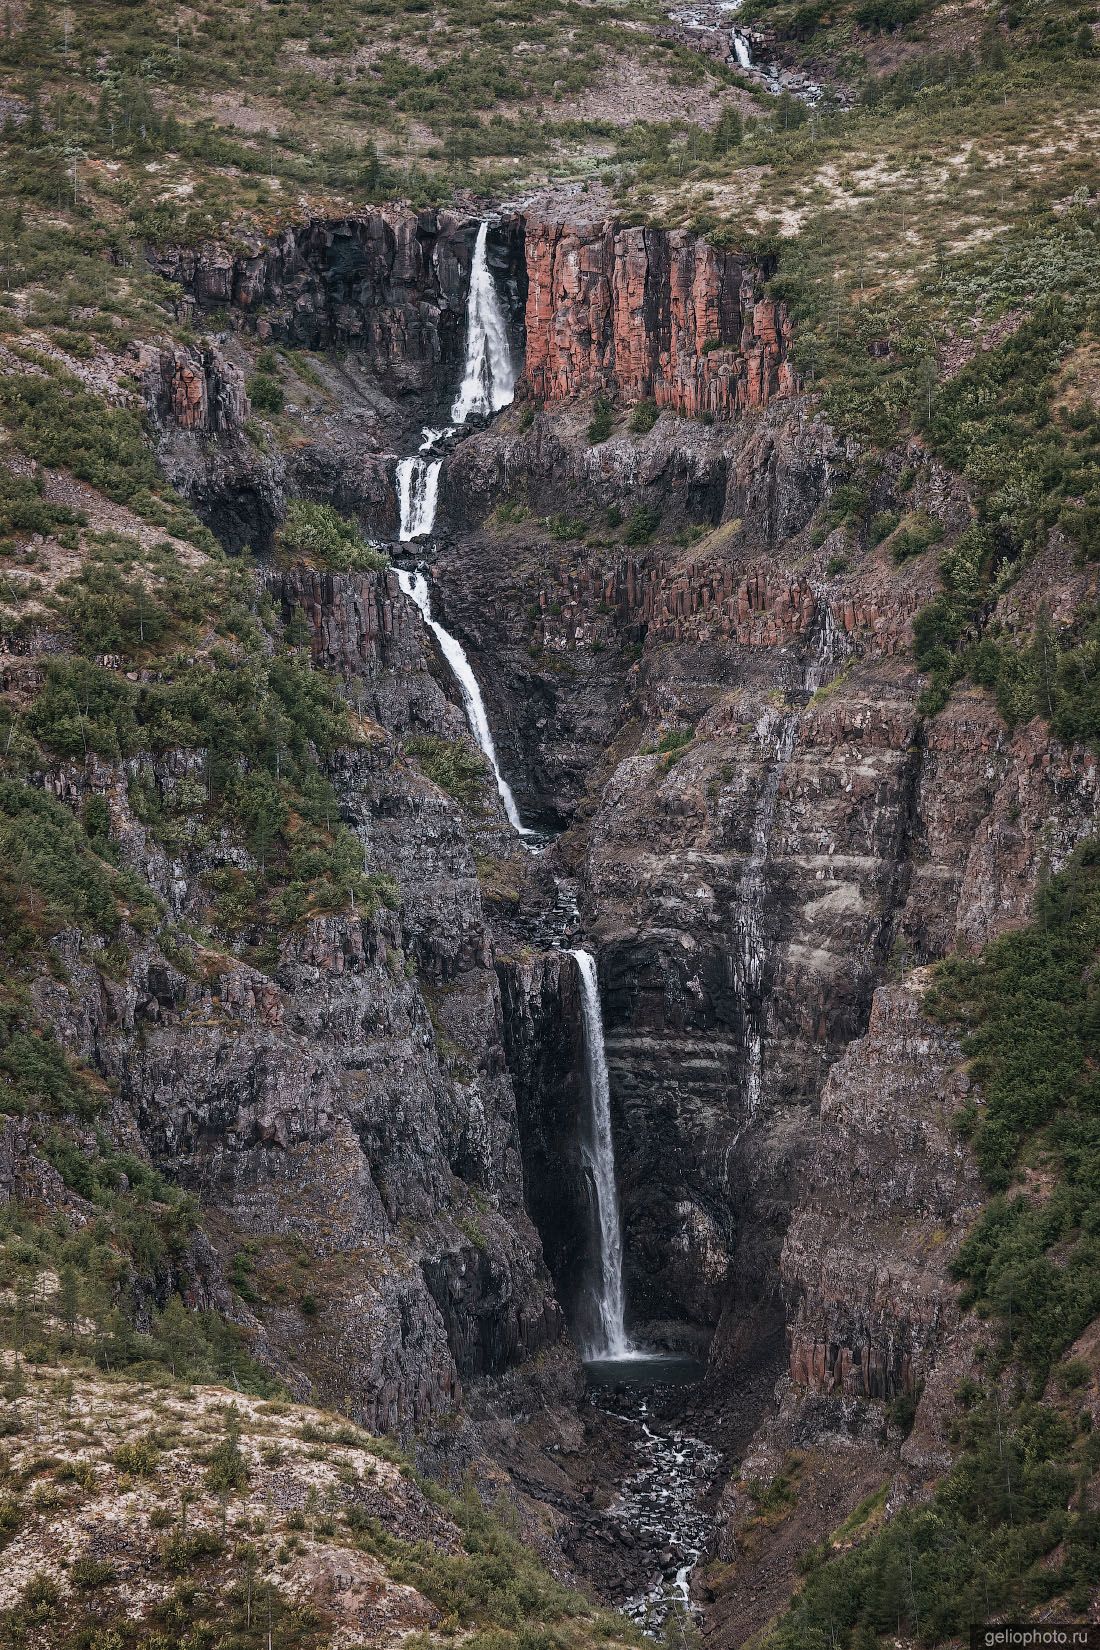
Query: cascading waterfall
418	488
750	892
488	383
416	586
489	378
741	50
610	1339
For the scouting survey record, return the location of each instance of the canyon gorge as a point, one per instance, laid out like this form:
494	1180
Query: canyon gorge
615	1140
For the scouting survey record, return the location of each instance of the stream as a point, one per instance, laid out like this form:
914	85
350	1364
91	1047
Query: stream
660	1505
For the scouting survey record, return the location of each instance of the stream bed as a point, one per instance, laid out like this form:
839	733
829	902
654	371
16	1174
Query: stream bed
661	1504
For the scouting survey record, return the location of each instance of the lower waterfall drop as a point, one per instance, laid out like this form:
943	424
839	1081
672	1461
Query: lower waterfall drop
611	1340
416	586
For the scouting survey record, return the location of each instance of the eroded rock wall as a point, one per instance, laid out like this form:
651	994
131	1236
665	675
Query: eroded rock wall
342	1109
764	827
389	284
636	313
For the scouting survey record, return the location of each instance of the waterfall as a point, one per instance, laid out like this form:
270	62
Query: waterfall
741	50
598	1156
416	586
418	488
417	491
751	888
488	380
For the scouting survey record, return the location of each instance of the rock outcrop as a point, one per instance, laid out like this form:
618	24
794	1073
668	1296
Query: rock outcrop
389	285
193	389
889	1193
635	313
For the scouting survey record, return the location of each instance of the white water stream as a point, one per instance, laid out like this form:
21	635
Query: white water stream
488	383
416	586
662	1503
489	378
610	1339
418	487
741	50
751	889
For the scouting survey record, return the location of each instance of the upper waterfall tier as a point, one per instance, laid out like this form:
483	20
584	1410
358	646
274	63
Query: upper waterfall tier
489	376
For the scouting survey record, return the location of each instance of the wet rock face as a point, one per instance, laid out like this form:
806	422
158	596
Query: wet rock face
558	628
637	313
385	292
543	1043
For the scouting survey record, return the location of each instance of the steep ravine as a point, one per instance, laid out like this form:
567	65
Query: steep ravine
765	837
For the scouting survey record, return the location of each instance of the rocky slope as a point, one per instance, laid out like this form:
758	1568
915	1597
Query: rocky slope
349	1097
705	681
137	1511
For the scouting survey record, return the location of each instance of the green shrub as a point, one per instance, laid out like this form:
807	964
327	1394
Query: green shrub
602	423
881	15
916	535
882	525
141	1458
452	765
227	1469
92	1572
643	417
265	393
11	1517
49	871
642	525
318	534
181	1553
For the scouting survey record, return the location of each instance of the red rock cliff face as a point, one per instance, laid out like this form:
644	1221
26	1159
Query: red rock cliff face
651	313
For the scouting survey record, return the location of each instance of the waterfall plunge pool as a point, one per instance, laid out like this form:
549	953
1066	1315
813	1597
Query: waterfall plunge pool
642	1369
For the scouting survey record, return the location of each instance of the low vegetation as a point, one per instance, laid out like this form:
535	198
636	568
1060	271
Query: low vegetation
1009	1528
235	1510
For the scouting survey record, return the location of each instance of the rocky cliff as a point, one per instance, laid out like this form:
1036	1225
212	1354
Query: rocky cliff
389	285
700	676
651	313
343	1105
764	826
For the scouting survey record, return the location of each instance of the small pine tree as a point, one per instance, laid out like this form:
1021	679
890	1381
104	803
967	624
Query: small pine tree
729	131
68	1300
228	1469
177	1339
